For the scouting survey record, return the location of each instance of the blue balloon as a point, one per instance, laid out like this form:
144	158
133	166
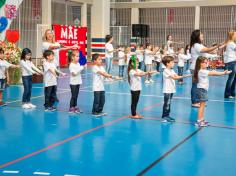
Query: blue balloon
3	24
82	59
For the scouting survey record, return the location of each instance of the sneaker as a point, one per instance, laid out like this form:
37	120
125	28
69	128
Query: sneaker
46	109
26	106
71	110
31	105
151	81
147	82
2	103
95	114
201	123
77	111
103	113
51	109
165	119
231	97
171	119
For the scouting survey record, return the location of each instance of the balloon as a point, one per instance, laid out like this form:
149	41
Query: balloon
12	35
82	59
2	2
11	11
3	23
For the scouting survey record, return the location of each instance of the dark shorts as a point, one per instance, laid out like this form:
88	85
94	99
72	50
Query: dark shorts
201	95
2	84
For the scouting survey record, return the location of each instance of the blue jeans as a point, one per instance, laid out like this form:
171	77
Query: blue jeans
167	103
231	82
98	102
27	83
121	70
188	64
108	64
141	65
180	73
193	90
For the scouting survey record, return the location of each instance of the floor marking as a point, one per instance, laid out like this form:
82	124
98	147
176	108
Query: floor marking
70	175
10	172
168	153
42	173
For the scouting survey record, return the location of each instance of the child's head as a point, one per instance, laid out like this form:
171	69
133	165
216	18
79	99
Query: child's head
133	65
181	50
201	63
127	50
109	38
169	37
231	36
121	48
26	54
49	35
97	59
148	46
73	56
48	55
1	53
168	61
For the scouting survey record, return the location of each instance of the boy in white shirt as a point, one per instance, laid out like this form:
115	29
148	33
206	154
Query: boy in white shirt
3	66
99	74
169	77
121	58
50	80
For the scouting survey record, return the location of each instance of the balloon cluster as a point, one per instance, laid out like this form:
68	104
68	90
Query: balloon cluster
11	11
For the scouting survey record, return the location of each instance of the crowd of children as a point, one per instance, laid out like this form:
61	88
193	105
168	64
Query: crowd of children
133	66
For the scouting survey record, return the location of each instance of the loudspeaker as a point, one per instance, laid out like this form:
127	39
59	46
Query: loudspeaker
136	30
140	30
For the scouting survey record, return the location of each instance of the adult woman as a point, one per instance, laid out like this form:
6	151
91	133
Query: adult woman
197	49
230	64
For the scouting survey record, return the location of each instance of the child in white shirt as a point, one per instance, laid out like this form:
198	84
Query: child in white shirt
50	80
99	74
149	57
140	55
75	81
3	66
121	58
27	69
201	78
169	77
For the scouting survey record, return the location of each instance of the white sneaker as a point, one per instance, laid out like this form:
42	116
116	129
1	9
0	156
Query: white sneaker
26	106
147	82
151	81
31	105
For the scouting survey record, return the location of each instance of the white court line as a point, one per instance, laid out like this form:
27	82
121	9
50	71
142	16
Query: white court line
10	172
42	173
70	175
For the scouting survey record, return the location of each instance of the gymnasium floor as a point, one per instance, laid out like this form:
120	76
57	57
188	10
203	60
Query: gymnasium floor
34	142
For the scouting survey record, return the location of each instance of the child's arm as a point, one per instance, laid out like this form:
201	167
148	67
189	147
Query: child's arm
53	71
140	74
177	77
104	74
75	73
27	67
217	73
36	69
59	72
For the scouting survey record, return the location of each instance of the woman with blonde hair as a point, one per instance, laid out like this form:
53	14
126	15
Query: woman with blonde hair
230	64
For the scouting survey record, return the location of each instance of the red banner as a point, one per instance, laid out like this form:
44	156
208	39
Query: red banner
69	36
170	16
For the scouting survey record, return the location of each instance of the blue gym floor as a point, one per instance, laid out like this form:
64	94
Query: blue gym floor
34	142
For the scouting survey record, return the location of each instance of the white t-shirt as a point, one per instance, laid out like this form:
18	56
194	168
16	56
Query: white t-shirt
139	54
27	68
3	66
230	53
98	80
135	81
195	53
49	78
46	46
181	59
121	57
108	47
148	57
157	57
168	82
203	80
76	69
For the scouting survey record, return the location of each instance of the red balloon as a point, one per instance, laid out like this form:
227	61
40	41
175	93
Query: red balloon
12	35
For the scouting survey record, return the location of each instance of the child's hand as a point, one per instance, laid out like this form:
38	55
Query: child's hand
153	72
188	75
226	72
117	78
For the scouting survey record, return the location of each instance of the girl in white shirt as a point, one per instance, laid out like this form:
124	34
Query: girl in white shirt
187	52
157	58
149	57
27	69
140	55
134	79
3	66
201	79
230	64
75	81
